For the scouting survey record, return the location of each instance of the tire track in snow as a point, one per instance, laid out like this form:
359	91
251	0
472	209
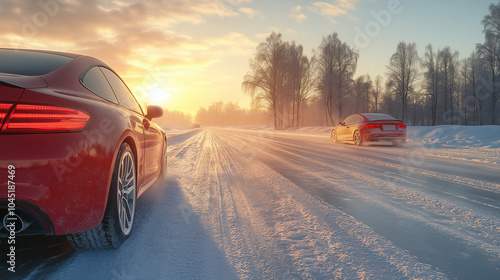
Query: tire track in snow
212	188
319	247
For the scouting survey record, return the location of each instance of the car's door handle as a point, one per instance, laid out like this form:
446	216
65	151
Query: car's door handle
146	123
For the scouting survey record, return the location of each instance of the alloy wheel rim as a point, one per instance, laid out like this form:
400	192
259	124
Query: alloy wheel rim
357	138
334	136
126	192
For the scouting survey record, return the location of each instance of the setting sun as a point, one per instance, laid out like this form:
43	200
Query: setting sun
159	95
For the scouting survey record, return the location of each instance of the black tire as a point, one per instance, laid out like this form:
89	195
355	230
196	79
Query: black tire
119	217
333	136
164	166
358	140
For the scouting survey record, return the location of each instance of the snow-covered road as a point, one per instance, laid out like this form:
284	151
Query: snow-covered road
264	205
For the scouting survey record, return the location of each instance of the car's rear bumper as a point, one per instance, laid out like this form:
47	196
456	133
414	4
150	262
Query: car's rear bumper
375	135
377	139
61	180
28	219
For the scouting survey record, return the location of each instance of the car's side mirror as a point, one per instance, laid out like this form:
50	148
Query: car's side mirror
341	123
154	112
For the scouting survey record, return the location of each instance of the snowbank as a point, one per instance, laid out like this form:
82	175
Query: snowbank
456	136
175	129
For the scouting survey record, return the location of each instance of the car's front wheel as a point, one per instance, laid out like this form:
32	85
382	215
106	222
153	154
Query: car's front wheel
358	140
118	220
333	136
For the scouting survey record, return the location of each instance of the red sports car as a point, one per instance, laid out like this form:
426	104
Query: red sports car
76	148
369	127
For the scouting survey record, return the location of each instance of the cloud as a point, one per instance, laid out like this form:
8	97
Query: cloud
334	9
297	9
72	21
288	31
172	62
347	4
297	15
328	9
266	34
132	36
232	44
249	12
291	32
262	35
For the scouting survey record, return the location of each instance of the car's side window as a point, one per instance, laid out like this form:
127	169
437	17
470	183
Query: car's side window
348	120
95	81
124	95
356	119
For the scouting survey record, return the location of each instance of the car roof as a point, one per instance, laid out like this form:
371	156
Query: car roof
72	55
30	63
49	66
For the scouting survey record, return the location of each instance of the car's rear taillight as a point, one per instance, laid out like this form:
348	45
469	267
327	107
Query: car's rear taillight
401	126
43	119
372	126
4	110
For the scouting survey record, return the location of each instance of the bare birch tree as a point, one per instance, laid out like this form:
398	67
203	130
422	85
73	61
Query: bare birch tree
431	66
362	89
336	64
376	92
473	72
266	80
403	71
448	62
491	51
302	79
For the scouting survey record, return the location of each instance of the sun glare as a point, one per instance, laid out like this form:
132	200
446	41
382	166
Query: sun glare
159	95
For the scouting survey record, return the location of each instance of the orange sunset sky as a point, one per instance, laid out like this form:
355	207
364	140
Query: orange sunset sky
183	54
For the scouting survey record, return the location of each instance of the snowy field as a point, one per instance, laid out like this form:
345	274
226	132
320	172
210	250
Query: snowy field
254	203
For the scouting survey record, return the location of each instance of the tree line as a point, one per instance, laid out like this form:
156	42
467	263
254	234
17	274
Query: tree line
229	114
172	117
435	88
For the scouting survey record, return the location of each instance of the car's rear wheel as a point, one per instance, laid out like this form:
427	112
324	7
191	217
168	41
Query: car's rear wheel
118	220
333	136
358	140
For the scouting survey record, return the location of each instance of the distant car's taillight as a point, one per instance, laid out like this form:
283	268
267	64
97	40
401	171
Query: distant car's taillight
42	119
401	126
372	126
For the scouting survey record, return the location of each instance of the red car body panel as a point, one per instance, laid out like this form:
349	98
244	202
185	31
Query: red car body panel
64	178
377	129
